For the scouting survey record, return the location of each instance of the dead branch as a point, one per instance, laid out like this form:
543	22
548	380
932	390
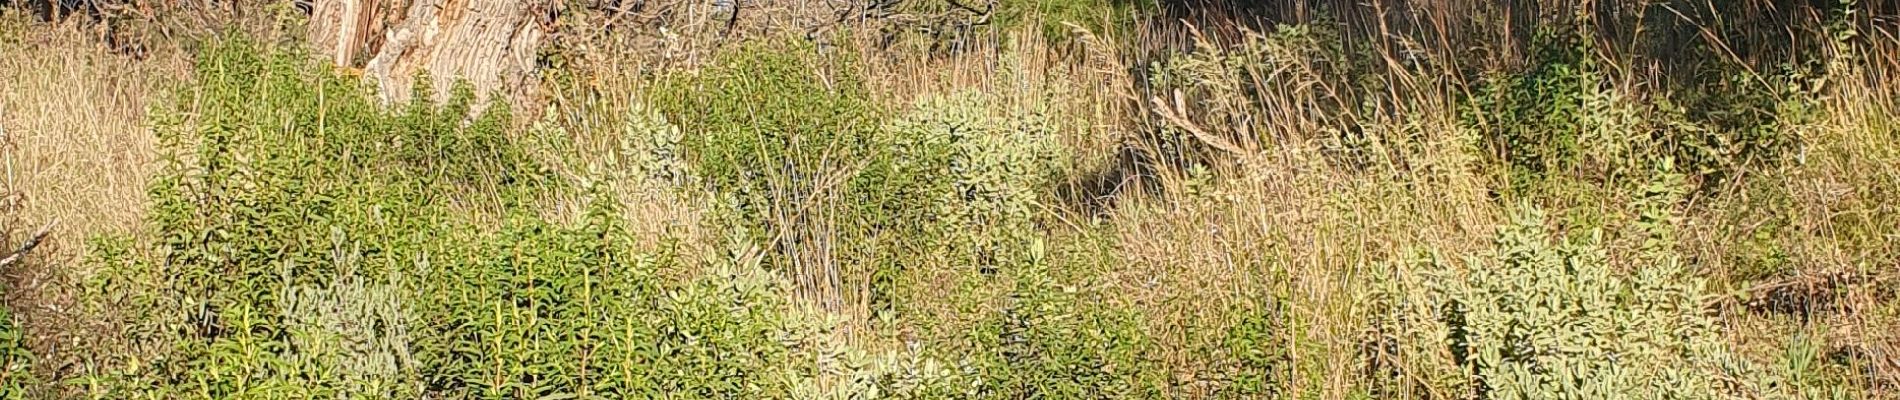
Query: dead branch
1176	116
29	245
983	15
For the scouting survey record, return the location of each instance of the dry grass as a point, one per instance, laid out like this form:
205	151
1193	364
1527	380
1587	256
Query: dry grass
1292	228
1809	249
76	151
1294	231
74	114
593	136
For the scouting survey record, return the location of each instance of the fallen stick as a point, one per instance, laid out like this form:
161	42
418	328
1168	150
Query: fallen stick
30	244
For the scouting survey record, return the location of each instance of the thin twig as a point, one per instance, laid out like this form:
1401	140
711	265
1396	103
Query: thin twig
30	244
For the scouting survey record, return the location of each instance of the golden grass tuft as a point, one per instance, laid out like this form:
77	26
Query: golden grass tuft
77	151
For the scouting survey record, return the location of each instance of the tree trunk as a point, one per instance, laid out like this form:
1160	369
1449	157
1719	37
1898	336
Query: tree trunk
342	28
489	43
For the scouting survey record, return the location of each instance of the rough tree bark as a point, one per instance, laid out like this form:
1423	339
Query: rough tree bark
341	28
491	44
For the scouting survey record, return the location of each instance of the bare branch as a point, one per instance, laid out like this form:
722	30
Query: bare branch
982	16
985	11
29	245
1175	116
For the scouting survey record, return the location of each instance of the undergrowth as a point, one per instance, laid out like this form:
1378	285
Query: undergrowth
353	251
1301	213
356	252
16	361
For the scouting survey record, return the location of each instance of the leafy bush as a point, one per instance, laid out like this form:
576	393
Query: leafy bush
651	151
1257	353
1544	318
306	241
967	181
578	313
1564	118
783	139
356	334
1561	118
772	124
1050	341
288	217
950	179
311	244
16	362
810	170
980	176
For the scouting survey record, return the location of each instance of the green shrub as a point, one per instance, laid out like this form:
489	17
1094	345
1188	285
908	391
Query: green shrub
978	177
651	150
769	121
16	362
1053	341
1543	318
312	245
1739	121
1566	118
1561	119
289	204
964	190
971	180
783	139
810	170
949	181
575	312
1258	352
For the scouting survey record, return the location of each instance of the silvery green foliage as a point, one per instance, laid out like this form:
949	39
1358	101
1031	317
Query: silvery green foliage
350	335
904	374
650	149
1544	318
986	172
994	166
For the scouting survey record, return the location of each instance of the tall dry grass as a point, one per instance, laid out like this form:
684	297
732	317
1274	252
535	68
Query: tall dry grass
1811	247
77	151
1274	224
1288	225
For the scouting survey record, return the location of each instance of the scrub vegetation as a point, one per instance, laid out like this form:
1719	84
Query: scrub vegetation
963	199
